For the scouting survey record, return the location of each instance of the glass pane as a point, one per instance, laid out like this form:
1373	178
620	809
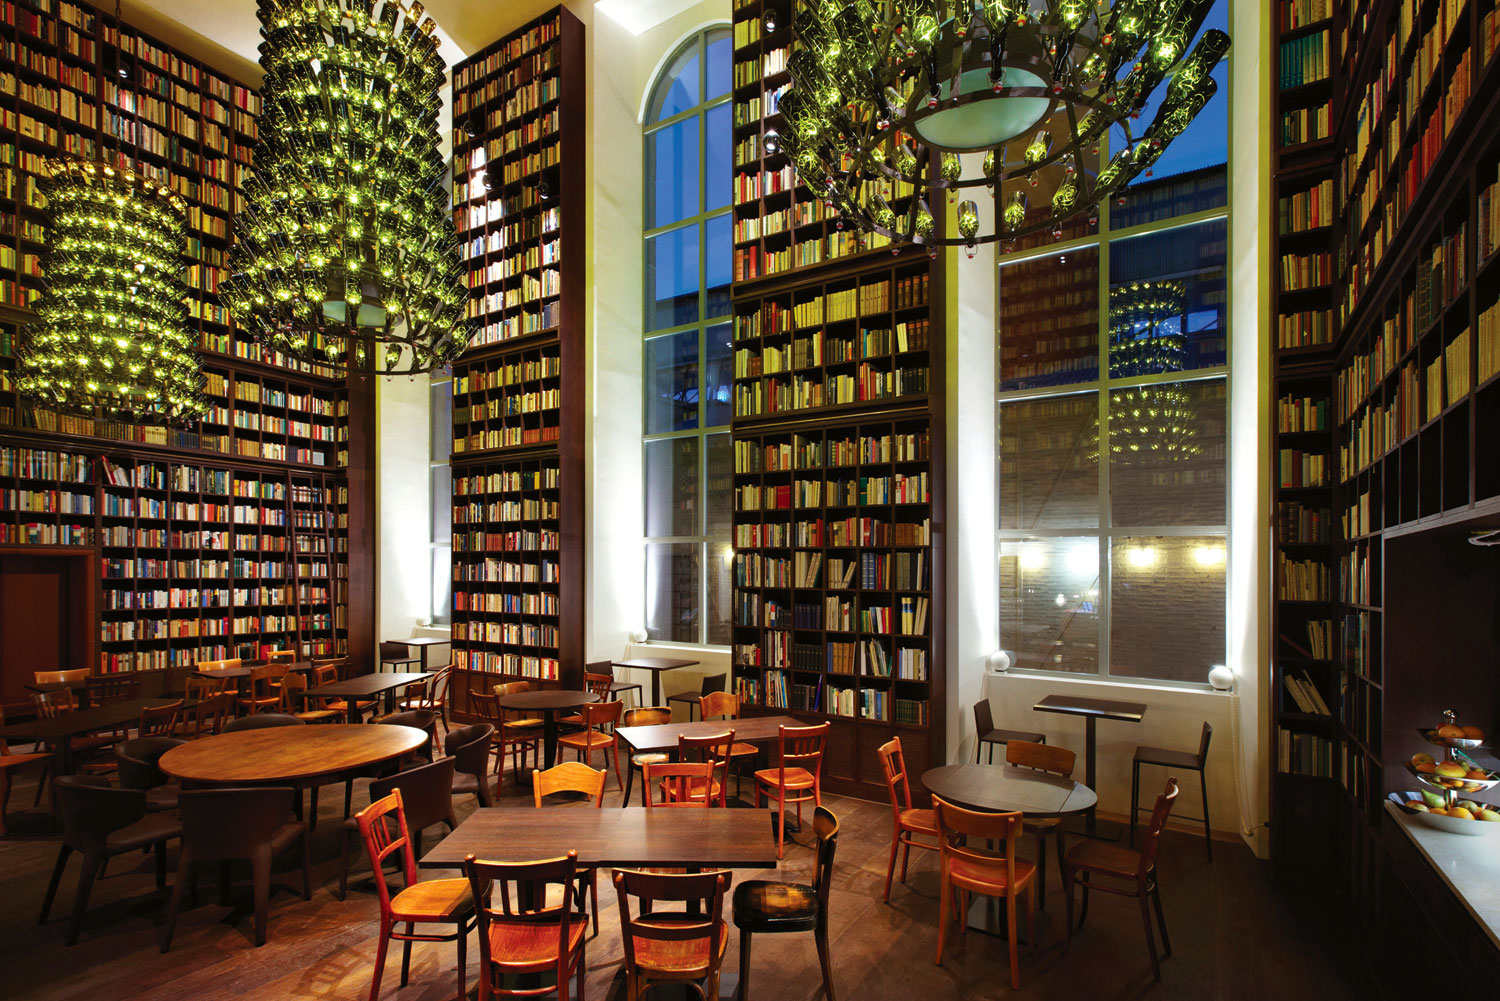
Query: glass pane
672	487
1166	607
1049	464
1167	301
1167	459
672	164
718	63
672	278
677	90
720	484
1049	595
1049	320
672	382
718	377
441	480
720	252
442	584
441	439
720	591
718	138
1190	175
672	591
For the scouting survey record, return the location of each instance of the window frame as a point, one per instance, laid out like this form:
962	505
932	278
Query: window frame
439	616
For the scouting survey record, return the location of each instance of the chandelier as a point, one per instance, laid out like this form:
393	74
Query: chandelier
111	337
1156	421
886	96
345	255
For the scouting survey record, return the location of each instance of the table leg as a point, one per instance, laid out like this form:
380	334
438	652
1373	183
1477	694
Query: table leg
1089	748
549	738
656	688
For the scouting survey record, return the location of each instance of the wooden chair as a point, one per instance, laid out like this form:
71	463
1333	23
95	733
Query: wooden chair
383	827
616	686
261	697
327	673
396	655
426	801
763	907
596	684
726	705
159	721
681	947
714	750
520	932
711	683
137	760
431	695
908	822
1055	761
102	689
13	762
293	704
517	736
209	716
281	657
572	776
99	823
1185	760
50	705
73	678
218	665
469	747
967	870
1126	873
680	784
798	771
357	707
988	735
646	716
593	736
222	825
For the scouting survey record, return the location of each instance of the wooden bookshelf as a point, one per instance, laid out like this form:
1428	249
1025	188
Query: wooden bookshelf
518	391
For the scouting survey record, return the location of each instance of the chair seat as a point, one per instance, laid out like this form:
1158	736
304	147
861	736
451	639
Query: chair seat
433	900
162	798
9	761
517	725
144	833
740	750
988	876
522	946
765	906
998	736
587	739
624	686
1105	858
656	956
318	715
649	758
796	778
1169	758
921	821
465	782
695	791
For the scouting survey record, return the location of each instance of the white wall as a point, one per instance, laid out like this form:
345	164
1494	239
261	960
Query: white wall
402	506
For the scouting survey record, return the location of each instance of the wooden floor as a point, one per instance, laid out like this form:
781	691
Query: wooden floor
1234	934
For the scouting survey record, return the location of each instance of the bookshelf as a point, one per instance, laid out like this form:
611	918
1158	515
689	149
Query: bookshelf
518	472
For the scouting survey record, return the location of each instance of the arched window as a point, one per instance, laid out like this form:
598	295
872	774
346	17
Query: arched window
687	354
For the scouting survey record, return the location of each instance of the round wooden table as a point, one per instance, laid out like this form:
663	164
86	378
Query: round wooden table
289	754
549	704
1003	788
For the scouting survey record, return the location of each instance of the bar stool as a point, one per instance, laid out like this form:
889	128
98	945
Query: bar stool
984	726
616	686
1168	758
395	654
711	683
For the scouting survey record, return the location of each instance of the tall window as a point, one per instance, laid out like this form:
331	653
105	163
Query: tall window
688	357
440	483
1113	386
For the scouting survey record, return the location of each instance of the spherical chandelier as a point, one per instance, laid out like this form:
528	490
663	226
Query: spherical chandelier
345	254
886	97
111	337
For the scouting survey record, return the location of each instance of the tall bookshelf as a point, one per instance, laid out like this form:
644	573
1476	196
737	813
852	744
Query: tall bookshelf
518	391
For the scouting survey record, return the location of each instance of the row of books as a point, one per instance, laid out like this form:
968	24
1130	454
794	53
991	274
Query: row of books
1304	754
1305	695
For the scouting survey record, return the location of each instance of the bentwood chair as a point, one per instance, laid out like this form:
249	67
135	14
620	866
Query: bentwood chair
520	932
10	762
469	747
679	783
710	684
797	777
598	685
908	823
100	822
1184	760
726	705
1056	761
593	737
262	696
763	907
159	721
646	716
431	695
426	798
673	946
714	750
137	760
383	827
513	734
1125	873
989	736
966	870
574	776
293	688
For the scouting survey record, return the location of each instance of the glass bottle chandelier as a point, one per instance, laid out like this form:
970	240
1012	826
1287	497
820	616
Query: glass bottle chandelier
886	96
1146	337
345	254
111	337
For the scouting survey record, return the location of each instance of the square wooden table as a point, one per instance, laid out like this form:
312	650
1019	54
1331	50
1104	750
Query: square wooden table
663	736
656	665
59	731
1092	711
422	644
367	686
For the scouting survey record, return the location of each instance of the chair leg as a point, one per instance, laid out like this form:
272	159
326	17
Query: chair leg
1161	921
1150	936
1041	865
890	870
160	851
260	870
630	784
1135	797
594	897
820	936
1067	878
462	938
63	851
344	865
615	749
91	866
945	901
743	991
781	824
406	954
306	866
1208	836
184	877
905	859
1011	932
41	785
1083	913
385	939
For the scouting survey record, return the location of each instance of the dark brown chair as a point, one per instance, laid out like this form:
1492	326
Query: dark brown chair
210	716
673	946
766	908
1126	873
711	683
51	705
383	827
909	822
616	686
102	689
469	747
418	719
714	750
159	721
594	737
10	762
598	685
989	736
1055	761
646	716
138	770
797	777
431	695
260	722
100	822
519	932
967	870
426	797
396	655
1184	760
221	825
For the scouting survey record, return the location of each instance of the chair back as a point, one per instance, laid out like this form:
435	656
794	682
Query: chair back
501	691
984	721
261	678
292	687
680	783
418	719
212	714
599	714
1158	823
392	650
725	704
801	747
1207	735
693	938
469	747
334	664
570	776
325	674
195	687
218	665
713	749
599	684
1042	757
960	829
233	822
486	705
160	721
74	677
426	792
50	705
383	829
893	764
137	761
647	716
514	894
100	689
826	826
712	683
260	721
281	657
91	809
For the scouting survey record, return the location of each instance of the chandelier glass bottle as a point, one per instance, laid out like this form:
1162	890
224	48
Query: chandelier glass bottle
887	97
1157	421
345	253
111	337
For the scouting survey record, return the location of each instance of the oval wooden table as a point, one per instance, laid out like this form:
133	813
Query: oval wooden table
549	703
289	754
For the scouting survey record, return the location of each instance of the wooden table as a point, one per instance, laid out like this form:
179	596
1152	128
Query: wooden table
288	754
549	703
656	665
1092	711
663	736
367	686
422	643
59	731
626	836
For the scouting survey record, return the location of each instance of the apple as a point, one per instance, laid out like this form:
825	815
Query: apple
1418	760
1473	733
1488	813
